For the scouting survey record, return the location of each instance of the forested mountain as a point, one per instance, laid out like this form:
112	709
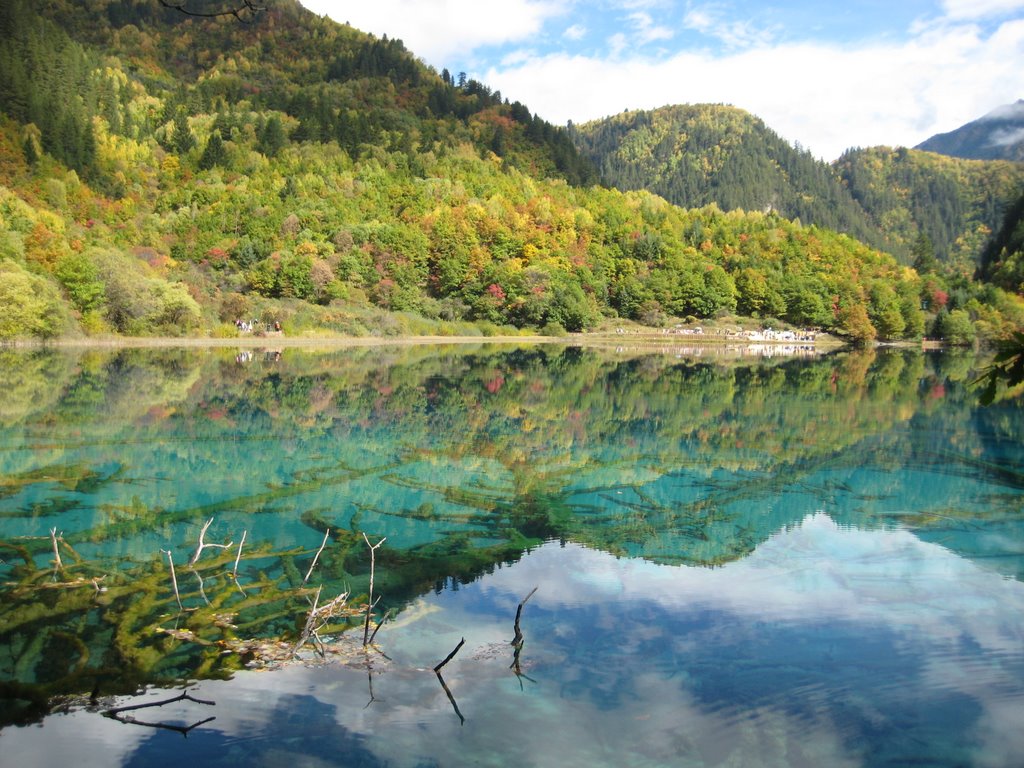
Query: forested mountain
999	135
1003	260
917	197
695	155
167	174
698	154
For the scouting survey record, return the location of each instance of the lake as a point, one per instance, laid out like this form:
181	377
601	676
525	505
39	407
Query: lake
709	558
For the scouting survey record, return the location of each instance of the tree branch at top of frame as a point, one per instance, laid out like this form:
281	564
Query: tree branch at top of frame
244	10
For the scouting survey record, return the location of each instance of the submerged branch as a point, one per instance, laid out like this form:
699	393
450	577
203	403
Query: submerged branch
451	655
234	571
317	619
174	578
518	639
448	692
117	713
203	545
56	552
317	556
370	604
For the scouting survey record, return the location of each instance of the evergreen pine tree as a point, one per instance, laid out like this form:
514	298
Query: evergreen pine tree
182	139
214	153
924	255
272	138
31	153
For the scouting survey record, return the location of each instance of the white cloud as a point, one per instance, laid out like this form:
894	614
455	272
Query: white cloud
1013	111
922	599
828	97
646	31
575	32
440	29
1006	137
708	21
980	9
617	43
518	57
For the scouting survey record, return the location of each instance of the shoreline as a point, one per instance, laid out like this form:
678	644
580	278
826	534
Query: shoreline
652	338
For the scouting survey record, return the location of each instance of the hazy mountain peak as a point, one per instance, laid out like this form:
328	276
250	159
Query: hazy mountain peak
997	135
1013	111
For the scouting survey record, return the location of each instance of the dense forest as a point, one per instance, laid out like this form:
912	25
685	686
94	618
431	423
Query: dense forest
161	174
695	155
1002	262
954	203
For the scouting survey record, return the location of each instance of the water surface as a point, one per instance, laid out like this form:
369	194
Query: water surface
783	561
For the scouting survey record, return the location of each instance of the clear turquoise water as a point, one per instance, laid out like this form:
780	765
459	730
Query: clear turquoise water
737	561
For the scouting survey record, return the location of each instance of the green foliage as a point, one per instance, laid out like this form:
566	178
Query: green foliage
214	153
342	179
924	255
138	303
1006	369
272	139
955	327
920	198
181	139
80	278
1003	259
31	305
696	155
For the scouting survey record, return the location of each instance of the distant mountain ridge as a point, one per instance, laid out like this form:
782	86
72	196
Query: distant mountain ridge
700	154
697	154
999	135
954	202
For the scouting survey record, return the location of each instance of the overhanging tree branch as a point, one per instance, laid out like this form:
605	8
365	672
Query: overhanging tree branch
244	10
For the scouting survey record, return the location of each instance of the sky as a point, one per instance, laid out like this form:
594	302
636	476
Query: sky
823	74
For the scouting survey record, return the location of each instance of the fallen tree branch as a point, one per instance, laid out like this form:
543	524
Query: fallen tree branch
451	655
243	11
518	639
234	571
202	589
380	624
56	552
203	545
317	556
146	705
448	693
317	618
117	713
370	604
174	579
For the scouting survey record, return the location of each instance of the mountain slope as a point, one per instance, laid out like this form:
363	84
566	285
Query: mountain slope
1003	260
694	155
161	174
955	203
999	135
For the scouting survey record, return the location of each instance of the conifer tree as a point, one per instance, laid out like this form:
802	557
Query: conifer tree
182	138
214	153
272	138
31	153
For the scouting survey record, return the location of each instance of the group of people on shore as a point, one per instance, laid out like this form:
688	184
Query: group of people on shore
254	326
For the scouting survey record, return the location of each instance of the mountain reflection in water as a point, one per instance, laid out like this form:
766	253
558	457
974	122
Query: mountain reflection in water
794	562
